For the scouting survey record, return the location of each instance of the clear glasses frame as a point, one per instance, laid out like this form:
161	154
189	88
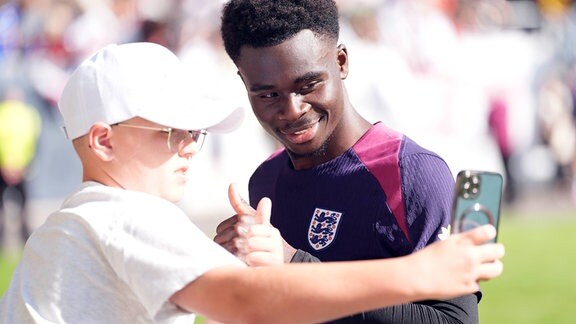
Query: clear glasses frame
175	136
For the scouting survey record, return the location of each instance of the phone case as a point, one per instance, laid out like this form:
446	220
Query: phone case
477	200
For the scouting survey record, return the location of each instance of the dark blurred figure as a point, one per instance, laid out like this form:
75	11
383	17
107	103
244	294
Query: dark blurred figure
20	126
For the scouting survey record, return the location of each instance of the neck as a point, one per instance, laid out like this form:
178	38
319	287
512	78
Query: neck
100	174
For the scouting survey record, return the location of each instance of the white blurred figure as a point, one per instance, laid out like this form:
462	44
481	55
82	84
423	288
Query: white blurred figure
227	158
453	75
377	68
556	89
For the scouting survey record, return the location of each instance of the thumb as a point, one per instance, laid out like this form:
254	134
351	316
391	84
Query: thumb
264	211
241	207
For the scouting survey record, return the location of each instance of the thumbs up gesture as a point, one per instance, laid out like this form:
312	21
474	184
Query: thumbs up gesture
249	234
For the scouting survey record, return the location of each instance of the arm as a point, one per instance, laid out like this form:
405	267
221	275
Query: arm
272	294
432	312
462	309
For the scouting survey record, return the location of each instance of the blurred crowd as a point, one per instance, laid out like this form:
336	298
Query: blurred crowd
488	84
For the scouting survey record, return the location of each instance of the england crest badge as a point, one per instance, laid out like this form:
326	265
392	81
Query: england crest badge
323	228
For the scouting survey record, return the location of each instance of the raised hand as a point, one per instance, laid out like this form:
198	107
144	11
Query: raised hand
248	234
227	231
455	266
263	244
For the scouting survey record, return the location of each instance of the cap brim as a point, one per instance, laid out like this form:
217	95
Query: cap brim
229	123
212	115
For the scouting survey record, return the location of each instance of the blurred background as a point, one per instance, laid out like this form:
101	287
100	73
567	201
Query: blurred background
487	84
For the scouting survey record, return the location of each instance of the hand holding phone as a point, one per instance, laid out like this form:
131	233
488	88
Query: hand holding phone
477	200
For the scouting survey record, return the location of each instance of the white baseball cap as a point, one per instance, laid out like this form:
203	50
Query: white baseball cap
143	80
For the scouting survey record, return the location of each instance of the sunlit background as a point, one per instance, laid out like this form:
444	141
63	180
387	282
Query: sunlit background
487	84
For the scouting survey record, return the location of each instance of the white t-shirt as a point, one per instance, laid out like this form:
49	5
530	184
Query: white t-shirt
110	256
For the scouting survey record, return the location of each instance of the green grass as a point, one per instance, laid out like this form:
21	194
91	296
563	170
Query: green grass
8	263
539	280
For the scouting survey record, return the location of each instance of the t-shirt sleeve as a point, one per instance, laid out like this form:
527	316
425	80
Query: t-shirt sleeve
427	188
460	310
303	257
158	251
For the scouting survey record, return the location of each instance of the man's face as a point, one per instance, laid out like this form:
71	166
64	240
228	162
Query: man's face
296	92
145	163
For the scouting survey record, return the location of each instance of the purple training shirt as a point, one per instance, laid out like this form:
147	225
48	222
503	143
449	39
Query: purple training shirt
384	197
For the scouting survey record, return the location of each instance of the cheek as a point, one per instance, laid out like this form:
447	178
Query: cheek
330	101
264	114
152	173
143	149
162	182
171	186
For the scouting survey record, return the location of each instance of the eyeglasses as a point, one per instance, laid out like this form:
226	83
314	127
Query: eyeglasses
176	137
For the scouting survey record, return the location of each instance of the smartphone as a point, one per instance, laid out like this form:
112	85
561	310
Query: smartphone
477	200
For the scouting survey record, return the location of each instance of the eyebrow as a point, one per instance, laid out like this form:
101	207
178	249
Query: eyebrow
258	87
308	76
304	78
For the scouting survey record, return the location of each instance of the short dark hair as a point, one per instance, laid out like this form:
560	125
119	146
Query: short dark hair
264	23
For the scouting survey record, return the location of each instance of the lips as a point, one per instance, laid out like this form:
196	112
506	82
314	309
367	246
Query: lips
302	132
182	171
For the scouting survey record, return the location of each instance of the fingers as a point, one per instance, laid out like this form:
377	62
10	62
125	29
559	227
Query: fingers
260	246
479	235
490	252
227	224
489	256
243	226
249	234
226	234
490	270
240	206
261	243
455	266
263	246
231	246
230	232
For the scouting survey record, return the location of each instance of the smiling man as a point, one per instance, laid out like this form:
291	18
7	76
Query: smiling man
342	188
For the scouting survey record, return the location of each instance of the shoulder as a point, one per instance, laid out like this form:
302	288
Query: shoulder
276	161
108	210
380	147
390	154
381	138
264	178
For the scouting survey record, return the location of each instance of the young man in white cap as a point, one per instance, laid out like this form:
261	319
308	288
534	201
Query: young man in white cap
119	250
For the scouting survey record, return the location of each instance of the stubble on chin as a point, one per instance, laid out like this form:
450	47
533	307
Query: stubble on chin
320	152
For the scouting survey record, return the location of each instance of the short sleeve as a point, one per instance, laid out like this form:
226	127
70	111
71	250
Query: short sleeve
158	250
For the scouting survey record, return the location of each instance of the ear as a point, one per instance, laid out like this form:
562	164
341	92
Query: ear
342	57
99	141
241	78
